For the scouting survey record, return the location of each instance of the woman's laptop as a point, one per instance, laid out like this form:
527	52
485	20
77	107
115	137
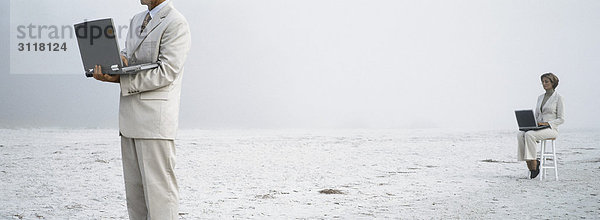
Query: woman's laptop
527	121
98	46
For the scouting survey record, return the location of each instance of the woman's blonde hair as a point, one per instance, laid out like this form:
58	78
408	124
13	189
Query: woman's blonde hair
553	79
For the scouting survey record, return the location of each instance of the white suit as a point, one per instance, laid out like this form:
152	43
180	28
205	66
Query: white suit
149	112
552	112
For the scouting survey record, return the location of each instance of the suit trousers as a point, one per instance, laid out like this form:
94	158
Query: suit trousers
150	185
528	142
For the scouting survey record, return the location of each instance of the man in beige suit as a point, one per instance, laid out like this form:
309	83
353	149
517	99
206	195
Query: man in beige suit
149	109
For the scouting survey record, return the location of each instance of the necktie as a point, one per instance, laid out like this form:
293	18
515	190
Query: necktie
146	21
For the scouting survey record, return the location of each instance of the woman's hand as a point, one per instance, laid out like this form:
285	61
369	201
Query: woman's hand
543	124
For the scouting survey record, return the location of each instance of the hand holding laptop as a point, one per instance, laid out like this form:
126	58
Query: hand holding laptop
104	50
124	59
98	75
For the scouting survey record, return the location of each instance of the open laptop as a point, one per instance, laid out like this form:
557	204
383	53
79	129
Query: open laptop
527	121
98	46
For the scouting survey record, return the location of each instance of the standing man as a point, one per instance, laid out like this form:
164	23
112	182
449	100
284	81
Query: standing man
149	109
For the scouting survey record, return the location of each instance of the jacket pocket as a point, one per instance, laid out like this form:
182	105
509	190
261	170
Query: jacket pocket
152	95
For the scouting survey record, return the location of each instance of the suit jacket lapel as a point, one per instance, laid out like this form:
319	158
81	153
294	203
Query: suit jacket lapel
550	99
134	35
162	14
541	99
538	107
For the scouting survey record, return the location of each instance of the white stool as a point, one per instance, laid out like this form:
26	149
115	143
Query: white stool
545	155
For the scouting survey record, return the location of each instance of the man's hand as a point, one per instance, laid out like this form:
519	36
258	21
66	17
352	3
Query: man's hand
105	77
125	61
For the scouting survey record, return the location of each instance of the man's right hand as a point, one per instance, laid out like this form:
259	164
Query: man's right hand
124	59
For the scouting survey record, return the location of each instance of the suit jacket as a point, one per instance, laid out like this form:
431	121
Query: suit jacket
552	112
149	103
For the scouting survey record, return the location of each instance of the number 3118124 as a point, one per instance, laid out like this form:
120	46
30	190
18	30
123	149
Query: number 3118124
42	46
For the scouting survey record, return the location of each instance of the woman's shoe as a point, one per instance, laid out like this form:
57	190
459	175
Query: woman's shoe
536	172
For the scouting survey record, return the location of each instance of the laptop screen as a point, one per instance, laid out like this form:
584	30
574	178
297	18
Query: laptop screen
98	44
525	118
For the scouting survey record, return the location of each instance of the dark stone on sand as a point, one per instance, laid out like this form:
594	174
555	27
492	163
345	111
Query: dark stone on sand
331	191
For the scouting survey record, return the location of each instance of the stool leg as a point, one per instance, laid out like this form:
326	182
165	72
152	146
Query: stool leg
546	170
555	160
542	158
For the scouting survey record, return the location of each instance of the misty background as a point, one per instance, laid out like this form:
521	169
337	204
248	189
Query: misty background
346	64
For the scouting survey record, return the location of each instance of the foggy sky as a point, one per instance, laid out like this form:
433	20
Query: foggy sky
347	64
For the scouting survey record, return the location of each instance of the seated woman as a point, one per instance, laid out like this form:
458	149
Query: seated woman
549	111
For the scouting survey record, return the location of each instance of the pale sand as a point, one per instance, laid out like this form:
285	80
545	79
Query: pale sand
400	174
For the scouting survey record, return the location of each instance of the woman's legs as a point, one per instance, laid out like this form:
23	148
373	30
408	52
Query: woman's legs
521	146
532	164
527	142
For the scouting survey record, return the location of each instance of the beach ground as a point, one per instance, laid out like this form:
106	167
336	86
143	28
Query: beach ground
305	174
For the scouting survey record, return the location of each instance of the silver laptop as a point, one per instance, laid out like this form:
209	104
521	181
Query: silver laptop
98	46
527	121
